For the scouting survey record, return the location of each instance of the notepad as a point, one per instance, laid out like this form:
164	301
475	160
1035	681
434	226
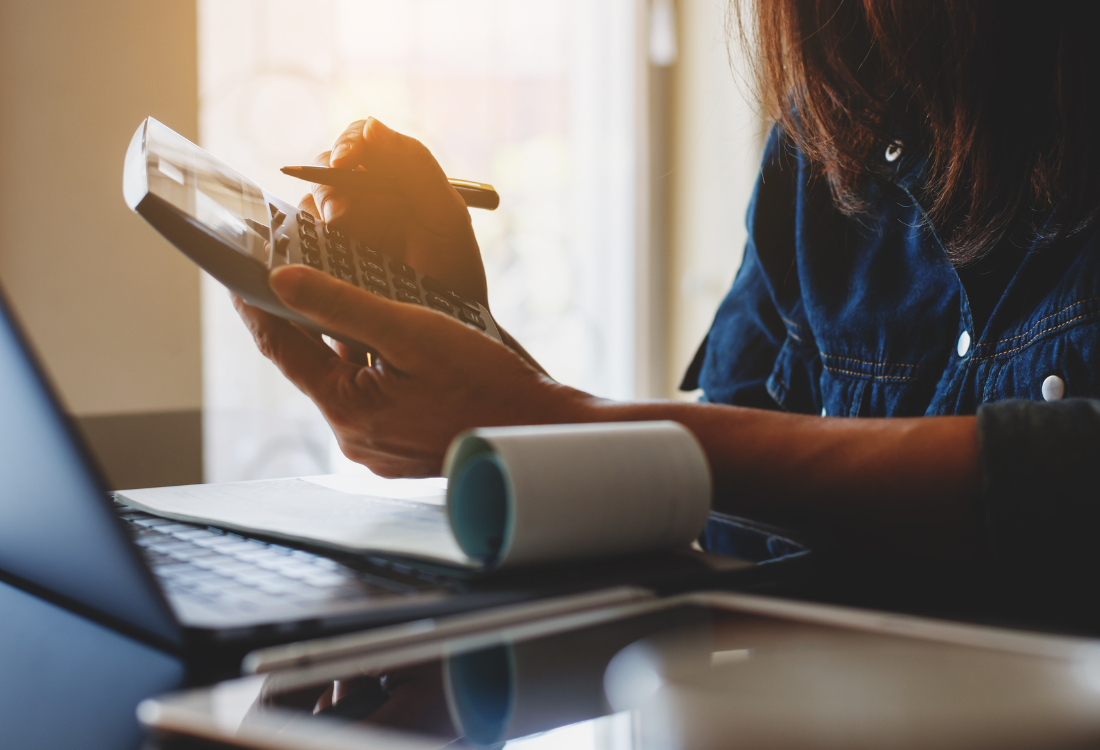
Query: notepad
512	496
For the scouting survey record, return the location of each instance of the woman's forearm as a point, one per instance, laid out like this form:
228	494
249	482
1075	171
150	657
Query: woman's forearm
907	484
510	342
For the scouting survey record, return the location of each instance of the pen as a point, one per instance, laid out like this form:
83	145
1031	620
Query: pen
476	194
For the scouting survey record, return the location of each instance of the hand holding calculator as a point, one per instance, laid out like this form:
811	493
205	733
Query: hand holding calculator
238	232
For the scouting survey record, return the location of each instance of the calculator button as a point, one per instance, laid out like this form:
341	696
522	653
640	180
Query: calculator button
282	244
437	286
312	260
472	318
406	297
377	281
307	230
305	217
434	300
406	284
371	267
335	256
402	270
434	285
277	217
343	273
368	253
331	232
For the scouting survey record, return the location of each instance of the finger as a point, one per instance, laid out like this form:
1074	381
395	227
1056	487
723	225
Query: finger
308	204
315	335
332	202
355	354
346	153
310	365
407	163
401	161
377	220
385	326
374	218
347	150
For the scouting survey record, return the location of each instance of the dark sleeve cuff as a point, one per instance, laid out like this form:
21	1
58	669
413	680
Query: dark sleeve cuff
1040	496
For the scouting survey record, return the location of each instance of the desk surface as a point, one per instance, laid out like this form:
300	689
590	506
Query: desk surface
67	681
699	671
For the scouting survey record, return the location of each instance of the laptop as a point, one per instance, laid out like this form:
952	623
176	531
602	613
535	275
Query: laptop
184	586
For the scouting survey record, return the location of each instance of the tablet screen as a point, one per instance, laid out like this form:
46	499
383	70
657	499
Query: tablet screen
228	205
686	676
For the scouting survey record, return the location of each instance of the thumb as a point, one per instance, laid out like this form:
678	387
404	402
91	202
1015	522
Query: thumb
347	310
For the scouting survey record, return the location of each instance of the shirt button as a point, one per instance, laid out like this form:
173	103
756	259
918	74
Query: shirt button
893	151
1053	388
964	344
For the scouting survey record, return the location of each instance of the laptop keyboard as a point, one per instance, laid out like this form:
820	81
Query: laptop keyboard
227	571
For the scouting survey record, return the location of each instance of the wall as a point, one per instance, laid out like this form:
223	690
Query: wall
112	308
717	138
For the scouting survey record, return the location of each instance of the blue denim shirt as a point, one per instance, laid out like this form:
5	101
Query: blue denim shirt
865	317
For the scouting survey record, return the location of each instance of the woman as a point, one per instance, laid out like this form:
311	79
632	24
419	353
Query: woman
921	245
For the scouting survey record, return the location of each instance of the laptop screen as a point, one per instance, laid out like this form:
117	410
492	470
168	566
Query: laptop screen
57	527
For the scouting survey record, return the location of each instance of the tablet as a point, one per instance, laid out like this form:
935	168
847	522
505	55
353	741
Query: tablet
700	670
237	232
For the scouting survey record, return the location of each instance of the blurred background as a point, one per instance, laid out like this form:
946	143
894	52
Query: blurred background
622	144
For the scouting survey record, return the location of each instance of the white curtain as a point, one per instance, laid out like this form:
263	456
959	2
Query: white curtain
538	97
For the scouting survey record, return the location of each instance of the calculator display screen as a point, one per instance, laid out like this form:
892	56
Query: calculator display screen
226	203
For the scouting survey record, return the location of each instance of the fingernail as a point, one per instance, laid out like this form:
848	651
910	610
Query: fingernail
334	209
286	282
341	150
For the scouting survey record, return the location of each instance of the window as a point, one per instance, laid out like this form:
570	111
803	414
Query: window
538	98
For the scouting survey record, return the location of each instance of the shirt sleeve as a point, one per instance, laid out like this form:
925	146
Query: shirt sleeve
739	353
1040	465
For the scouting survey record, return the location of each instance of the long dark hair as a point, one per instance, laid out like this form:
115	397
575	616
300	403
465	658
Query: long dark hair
1004	97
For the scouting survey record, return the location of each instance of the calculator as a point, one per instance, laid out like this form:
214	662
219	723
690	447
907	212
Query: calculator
237	232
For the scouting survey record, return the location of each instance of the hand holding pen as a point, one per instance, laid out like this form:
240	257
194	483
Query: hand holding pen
401	204
475	194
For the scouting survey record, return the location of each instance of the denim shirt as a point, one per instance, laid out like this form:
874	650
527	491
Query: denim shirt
865	317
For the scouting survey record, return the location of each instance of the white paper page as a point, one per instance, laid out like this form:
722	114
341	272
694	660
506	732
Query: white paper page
432	490
410	521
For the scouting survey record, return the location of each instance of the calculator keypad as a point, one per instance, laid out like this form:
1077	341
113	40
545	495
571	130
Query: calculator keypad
328	249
